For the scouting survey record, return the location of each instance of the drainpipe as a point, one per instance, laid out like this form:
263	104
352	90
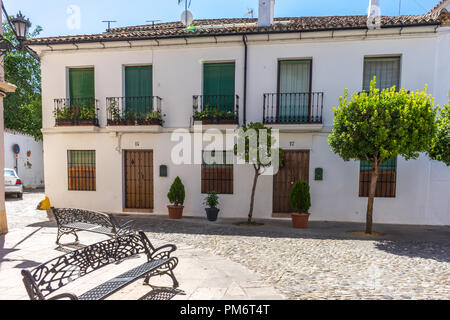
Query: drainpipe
244	39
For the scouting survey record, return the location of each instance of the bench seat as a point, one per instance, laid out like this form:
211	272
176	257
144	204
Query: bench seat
83	226
43	281
108	288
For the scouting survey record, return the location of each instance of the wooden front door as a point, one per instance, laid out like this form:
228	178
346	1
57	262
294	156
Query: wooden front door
296	167
138	179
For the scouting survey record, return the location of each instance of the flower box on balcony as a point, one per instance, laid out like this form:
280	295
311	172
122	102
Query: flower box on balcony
76	122
218	121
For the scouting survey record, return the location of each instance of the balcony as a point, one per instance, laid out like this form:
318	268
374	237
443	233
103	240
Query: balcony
216	109
76	112
134	111
293	108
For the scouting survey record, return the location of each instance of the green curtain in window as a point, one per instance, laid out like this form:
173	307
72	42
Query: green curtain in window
139	89
294	91
387	71
390	164
82	87
81	83
218	86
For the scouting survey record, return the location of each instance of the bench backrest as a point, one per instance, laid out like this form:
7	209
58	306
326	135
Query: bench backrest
58	272
68	215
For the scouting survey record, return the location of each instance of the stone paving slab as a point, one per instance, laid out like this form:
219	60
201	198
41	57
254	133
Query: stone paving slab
221	261
201	274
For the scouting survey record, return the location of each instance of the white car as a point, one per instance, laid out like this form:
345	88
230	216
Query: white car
13	184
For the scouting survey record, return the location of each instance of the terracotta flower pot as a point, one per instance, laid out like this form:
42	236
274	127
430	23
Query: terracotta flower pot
300	220
175	212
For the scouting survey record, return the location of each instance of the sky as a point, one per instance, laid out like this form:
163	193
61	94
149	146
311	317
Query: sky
69	17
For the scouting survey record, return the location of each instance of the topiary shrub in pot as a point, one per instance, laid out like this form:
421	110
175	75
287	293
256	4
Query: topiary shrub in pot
301	201
176	197
212	201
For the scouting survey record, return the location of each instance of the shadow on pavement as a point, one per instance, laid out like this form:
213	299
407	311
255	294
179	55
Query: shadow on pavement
427	242
162	293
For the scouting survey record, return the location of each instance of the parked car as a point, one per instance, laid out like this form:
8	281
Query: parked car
13	184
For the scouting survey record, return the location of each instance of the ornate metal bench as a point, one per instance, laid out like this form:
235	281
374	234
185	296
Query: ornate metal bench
52	275
72	220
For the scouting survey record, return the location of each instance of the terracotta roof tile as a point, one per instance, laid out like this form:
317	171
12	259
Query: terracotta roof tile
237	26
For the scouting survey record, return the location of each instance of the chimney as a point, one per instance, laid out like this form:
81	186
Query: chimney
266	13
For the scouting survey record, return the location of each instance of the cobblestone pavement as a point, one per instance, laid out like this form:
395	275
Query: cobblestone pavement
321	262
324	262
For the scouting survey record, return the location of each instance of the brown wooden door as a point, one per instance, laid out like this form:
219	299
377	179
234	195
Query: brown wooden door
138	179
296	167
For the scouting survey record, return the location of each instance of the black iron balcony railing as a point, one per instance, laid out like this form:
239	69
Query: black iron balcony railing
216	109
130	111
76	112
293	108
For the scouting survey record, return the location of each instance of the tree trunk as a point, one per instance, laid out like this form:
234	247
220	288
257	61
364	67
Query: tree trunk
252	199
372	191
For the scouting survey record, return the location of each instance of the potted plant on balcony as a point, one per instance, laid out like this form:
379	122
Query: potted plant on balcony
64	116
153	118
301	201
176	197
212	201
86	116
130	117
114	111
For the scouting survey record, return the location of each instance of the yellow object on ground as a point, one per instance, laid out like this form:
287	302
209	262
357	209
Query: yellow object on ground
45	204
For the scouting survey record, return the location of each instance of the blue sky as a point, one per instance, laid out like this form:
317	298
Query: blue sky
52	14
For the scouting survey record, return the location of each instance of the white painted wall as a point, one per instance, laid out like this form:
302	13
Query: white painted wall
423	186
29	168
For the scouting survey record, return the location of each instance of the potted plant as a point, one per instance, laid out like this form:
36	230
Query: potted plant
212	200
176	197
301	201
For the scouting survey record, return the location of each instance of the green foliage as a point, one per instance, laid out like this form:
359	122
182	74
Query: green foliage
211	113
154	116
253	153
212	200
380	125
176	193
440	147
299	197
23	108
82	113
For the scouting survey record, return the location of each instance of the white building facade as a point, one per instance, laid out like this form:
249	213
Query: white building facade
29	161
289	76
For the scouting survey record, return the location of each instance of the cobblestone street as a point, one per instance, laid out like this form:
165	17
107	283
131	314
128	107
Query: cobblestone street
322	262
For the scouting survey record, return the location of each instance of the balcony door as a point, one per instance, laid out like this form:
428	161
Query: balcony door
294	87
81	87
218	86
138	90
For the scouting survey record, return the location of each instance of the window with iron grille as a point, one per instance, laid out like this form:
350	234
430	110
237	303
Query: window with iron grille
217	172
386	69
81	170
387	178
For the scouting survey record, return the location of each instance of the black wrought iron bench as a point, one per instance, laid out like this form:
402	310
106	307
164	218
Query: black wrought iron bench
43	280
72	220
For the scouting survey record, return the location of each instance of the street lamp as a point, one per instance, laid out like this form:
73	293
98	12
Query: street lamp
21	25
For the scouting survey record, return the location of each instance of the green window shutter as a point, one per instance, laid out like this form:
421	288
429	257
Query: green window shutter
139	89
218	85
295	78
387	71
81	83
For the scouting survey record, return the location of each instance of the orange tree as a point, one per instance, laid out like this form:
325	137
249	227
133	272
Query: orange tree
440	147
380	125
255	145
